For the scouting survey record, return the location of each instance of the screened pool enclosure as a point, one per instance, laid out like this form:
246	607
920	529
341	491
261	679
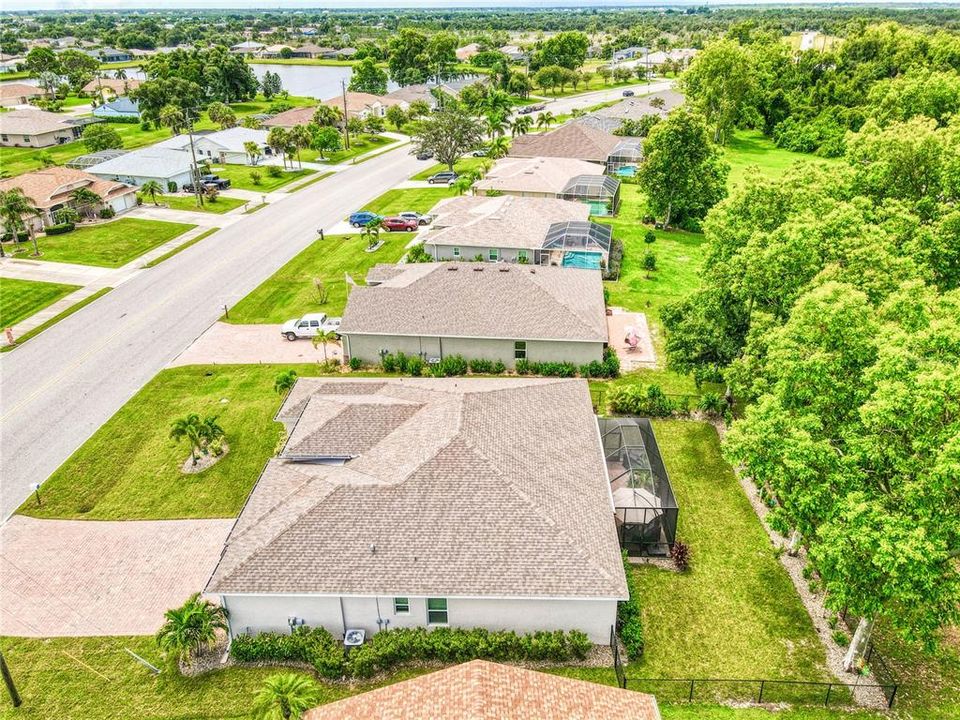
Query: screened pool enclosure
625	157
600	192
645	508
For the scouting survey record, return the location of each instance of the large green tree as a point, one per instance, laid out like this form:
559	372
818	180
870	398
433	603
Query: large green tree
720	83
567	49
368	78
101	136
406	57
448	134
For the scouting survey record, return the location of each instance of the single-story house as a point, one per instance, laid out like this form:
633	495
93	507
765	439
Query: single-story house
514	52
82	162
50	190
424	91
628	53
247	47
428	502
291	118
274	51
467	51
220	146
363	105
346	52
110	55
170	168
482	689
309	50
507	228
38	128
111	86
479	311
610	118
565	178
122	108
575	140
12	94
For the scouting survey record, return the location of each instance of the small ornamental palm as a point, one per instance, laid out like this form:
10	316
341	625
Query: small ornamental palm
152	188
189	428
371	231
191	627
322	338
284	382
285	696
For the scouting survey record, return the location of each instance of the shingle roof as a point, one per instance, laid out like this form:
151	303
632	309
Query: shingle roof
459	492
118	85
18	90
481	301
634	108
32	122
481	690
506	221
146	162
231	139
53	185
540	175
291	117
357	102
569	141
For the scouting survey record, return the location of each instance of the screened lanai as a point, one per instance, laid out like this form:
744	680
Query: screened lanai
625	157
578	244
95	158
645	507
600	192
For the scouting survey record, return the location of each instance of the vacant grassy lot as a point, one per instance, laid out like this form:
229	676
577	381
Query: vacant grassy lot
751	153
239	177
19	299
112	244
416	199
290	292
130	468
189	203
359	145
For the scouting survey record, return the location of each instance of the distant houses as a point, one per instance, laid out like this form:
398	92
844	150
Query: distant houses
122	109
582	142
110	86
13	94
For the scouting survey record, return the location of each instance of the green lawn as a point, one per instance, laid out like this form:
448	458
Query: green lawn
19	299
463	165
359	145
290	291
751	153
50	322
130	468
112	244
239	177
189	202
416	199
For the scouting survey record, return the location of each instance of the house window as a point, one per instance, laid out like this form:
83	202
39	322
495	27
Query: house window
401	606
456	252
520	350
26	138
4	138
494	255
436	611
521	255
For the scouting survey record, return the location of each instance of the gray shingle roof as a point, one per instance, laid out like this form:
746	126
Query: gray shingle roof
465	496
478	300
572	140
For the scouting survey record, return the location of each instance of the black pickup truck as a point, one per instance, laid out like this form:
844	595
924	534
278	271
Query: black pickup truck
208	181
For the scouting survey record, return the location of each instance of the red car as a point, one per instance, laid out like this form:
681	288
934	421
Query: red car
393	224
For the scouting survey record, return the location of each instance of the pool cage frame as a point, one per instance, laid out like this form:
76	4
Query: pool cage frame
594	189
577	236
627	153
95	158
645	507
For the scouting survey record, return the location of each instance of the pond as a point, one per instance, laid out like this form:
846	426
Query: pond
317	81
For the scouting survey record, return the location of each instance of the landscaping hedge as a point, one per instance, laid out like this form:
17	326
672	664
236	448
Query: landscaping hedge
454	365
646	400
60	229
388	649
629	618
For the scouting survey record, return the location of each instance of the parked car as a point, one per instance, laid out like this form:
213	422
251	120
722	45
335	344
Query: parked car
442	177
309	325
480	152
537	108
396	223
209	181
416	217
424	155
525	110
628	93
359	219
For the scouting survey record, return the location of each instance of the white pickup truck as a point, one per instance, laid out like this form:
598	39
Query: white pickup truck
309	325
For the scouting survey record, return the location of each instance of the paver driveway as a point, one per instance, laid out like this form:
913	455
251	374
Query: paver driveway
225	344
79	577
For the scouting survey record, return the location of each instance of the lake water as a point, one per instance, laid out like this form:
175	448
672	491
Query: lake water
318	81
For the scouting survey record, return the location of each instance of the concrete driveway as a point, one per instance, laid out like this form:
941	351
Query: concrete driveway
82	577
224	343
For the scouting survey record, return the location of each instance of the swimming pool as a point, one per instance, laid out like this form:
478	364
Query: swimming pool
627	171
582	260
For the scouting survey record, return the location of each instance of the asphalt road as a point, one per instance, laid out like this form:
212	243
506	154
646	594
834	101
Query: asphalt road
57	389
562	106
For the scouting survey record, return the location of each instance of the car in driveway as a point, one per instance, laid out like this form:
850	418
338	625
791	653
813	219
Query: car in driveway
359	219
415	216
628	93
480	152
446	177
398	224
424	155
209	181
309	325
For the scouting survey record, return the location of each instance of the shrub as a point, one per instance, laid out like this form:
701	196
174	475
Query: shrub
256	177
415	366
649	261
840	638
712	403
612	271
629	618
21	237
60	229
274	171
638	399
107	212
354	363
310	645
556	369
450	366
389	363
680	552
649	237
172	186
481	366
498	368
524	367
145	126
417	254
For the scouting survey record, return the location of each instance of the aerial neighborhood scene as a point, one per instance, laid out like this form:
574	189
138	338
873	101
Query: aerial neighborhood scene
462	360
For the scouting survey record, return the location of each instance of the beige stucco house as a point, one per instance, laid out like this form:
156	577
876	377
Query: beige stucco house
37	128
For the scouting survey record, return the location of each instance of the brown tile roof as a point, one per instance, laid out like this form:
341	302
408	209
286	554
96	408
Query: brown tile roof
18	90
53	185
357	102
507	221
535	175
447	458
477	300
481	690
572	140
290	118
32	122
118	85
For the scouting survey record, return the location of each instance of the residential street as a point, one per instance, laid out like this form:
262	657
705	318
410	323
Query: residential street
64	384
562	106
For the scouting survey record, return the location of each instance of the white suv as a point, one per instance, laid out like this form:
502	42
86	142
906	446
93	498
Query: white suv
411	215
309	325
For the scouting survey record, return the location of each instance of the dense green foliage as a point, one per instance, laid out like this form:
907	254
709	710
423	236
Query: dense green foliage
629	615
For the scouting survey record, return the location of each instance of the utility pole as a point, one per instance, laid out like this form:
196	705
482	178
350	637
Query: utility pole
8	681
346	130
197	190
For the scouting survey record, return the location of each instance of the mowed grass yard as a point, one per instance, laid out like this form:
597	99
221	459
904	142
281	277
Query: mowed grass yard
419	200
240	177
751	153
463	165
189	203
19	299
131	469
359	145
112	244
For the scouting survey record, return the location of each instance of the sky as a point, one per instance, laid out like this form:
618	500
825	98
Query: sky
11	5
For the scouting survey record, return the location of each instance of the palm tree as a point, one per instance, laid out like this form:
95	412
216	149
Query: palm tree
189	428
544	120
84	199
253	151
462	184
322	338
278	141
285	696
371	231
495	124
300	137
14	205
327	115
284	382
152	188
210	430
191	627
498	147
521	125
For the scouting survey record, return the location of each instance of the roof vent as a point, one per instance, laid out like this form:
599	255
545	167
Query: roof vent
373	548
